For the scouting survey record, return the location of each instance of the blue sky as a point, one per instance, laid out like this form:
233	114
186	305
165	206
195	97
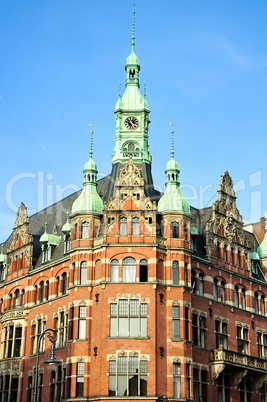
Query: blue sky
204	64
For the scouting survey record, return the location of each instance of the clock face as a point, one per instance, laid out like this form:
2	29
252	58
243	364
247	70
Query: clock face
131	122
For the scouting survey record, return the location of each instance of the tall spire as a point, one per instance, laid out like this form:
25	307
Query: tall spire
172	139
91	139
173	200
133	29
89	200
132	113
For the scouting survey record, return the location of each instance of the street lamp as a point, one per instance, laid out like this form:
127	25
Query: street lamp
52	363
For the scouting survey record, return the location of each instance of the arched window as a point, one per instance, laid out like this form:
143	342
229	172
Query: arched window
243	298
41	291
174	230
215	289
175	273
64	283
197	283
128	270
256	305
236	303
83	273
200	284
143	271
225	252
114	271
123	226
17	297
262	305
85	230
47	290
222	291
136	226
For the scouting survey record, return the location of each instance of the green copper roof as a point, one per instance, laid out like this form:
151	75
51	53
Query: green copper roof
262	249
89	199
172	165
132	59
66	228
254	256
173	200
194	230
53	240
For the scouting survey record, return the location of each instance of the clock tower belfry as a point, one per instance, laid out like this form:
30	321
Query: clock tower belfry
132	115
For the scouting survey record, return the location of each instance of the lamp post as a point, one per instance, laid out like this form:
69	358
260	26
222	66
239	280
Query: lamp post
51	363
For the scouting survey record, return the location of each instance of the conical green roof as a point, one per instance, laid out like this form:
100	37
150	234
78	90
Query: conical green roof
89	200
173	200
132	59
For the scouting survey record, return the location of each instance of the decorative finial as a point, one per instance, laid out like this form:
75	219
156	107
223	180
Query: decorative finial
91	139
133	28
144	89
119	89
172	139
46	226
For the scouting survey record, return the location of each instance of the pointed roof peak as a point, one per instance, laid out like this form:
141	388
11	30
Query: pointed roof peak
172	138
91	139
133	29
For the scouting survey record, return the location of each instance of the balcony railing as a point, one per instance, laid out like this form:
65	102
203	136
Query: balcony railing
14	307
240	364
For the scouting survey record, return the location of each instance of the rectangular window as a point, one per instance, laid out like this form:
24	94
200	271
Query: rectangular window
176	380
262	345
200	385
175	322
242	339
82	323
12	341
80	380
223	383
70	323
221	334
199	330
9	388
58	384
128	318
127	376
187	380
245	390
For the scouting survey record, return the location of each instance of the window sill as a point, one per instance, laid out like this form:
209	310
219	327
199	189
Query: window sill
139	338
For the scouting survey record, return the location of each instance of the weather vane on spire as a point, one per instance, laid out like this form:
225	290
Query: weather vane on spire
172	138
91	139
133	28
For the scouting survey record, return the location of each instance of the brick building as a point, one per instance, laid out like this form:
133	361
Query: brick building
151	299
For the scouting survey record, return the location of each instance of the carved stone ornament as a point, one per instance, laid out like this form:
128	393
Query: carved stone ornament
259	381
238	377
216	370
230	227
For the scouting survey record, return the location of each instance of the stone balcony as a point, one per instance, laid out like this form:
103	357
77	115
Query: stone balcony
240	364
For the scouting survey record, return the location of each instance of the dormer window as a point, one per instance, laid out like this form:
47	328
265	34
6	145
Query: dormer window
67	243
46	253
2	271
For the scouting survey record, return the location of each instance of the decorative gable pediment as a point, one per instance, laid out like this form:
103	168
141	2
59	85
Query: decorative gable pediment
226	223
20	249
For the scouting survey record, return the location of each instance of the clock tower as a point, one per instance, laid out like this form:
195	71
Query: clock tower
132	116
